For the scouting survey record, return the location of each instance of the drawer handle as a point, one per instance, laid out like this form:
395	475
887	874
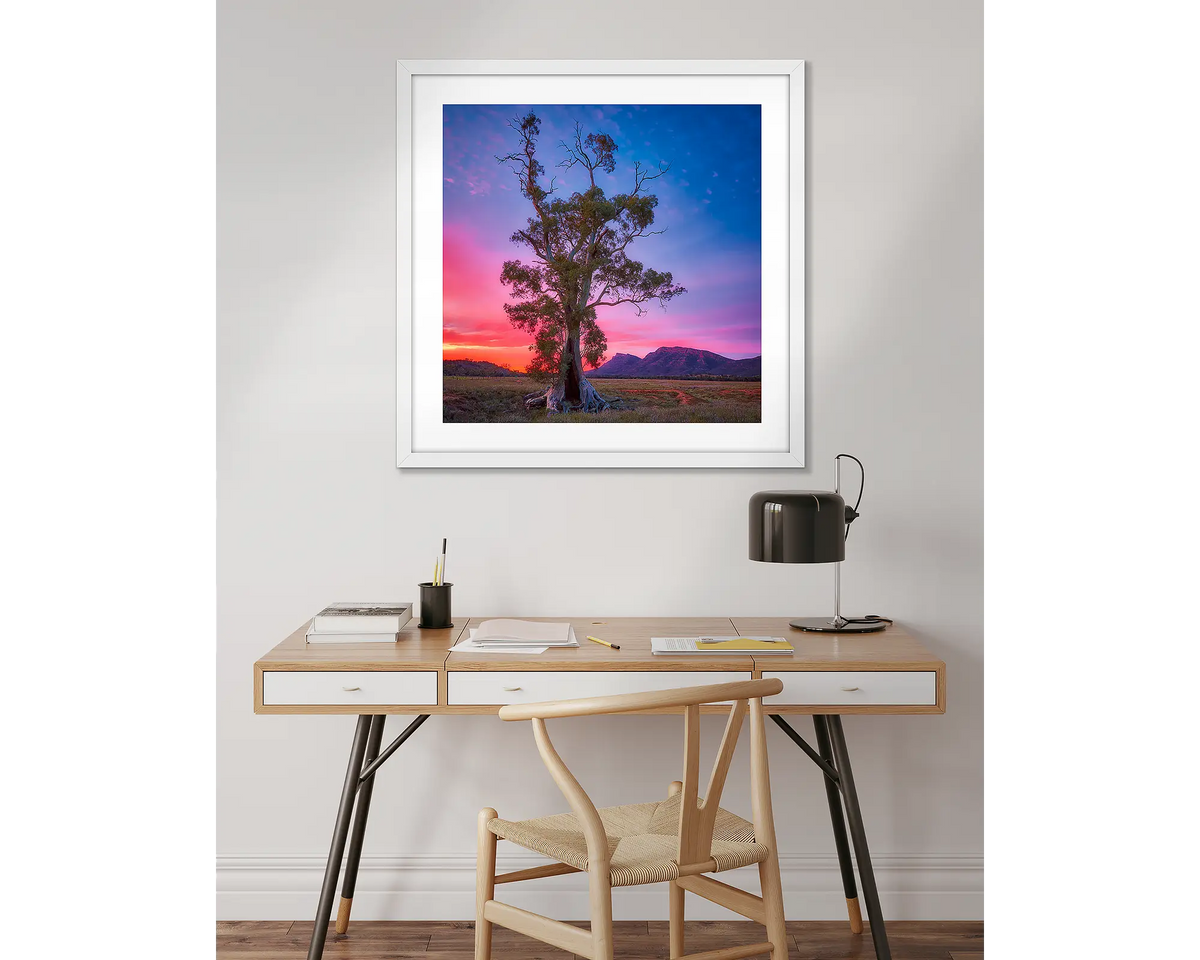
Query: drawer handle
351	689
511	689
849	689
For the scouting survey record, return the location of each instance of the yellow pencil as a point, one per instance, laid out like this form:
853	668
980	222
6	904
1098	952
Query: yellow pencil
605	642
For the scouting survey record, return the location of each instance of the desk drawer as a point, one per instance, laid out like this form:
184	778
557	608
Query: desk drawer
465	687
901	687
366	687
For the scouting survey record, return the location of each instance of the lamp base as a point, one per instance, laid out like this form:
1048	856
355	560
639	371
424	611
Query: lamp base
826	625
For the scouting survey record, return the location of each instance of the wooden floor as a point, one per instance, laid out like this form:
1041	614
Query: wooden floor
635	940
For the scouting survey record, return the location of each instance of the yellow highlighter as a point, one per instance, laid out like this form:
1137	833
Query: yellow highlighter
605	642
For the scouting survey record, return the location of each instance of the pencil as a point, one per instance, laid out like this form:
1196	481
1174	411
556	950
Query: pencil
605	642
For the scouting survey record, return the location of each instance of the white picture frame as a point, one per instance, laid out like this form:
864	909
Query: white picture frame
420	443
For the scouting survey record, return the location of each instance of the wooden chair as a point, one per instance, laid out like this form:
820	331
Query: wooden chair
677	840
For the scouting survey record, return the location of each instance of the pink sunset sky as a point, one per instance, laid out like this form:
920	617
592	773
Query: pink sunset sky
709	202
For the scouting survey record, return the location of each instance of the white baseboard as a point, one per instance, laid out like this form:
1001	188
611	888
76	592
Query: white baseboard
443	888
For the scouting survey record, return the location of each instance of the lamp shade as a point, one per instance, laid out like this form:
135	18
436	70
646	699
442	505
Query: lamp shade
797	526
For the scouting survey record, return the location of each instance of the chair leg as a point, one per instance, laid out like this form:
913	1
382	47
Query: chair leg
485	884
764	833
676	893
600	899
772	896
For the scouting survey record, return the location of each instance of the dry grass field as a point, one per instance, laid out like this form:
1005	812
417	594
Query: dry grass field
499	400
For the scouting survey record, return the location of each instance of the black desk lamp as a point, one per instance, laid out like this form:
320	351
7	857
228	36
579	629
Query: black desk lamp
810	526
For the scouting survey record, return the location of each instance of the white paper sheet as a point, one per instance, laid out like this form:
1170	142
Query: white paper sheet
525	631
470	646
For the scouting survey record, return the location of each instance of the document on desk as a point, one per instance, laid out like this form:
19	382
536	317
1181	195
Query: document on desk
471	646
505	632
516	636
730	645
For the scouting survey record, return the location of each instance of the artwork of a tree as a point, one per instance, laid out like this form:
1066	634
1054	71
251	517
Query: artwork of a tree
578	264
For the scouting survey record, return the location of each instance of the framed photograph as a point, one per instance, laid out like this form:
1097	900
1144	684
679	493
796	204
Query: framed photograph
600	264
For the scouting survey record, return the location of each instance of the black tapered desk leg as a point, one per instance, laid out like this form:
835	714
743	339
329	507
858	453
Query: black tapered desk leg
361	810
858	835
341	827
839	829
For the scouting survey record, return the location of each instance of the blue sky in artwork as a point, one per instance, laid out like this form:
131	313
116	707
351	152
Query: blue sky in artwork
710	204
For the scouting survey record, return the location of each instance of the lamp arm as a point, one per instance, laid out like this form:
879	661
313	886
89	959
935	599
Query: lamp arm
852	513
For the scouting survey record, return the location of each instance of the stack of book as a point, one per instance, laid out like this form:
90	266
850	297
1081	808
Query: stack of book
359	623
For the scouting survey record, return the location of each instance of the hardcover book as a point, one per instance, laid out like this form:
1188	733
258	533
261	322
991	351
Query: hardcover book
362	618
389	637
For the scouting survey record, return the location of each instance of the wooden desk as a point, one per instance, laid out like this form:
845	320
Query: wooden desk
830	674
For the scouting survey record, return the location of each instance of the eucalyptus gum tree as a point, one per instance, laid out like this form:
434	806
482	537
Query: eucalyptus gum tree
579	263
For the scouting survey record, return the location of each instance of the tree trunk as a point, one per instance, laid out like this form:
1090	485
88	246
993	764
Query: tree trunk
571	392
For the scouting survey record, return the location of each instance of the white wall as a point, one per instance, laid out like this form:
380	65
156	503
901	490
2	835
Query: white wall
312	508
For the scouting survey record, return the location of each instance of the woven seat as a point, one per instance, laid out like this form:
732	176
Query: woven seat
643	840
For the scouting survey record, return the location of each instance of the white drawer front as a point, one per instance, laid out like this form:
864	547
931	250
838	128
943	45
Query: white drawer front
365	687
534	686
863	686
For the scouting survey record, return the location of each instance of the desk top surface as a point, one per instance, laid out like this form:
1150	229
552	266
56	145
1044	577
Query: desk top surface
418	649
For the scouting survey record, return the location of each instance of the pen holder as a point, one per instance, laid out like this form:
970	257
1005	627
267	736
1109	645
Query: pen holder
435	606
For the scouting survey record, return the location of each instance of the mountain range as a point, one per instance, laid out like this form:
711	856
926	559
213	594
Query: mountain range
678	362
476	368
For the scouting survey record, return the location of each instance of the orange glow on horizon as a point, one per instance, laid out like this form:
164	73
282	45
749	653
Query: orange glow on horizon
515	358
